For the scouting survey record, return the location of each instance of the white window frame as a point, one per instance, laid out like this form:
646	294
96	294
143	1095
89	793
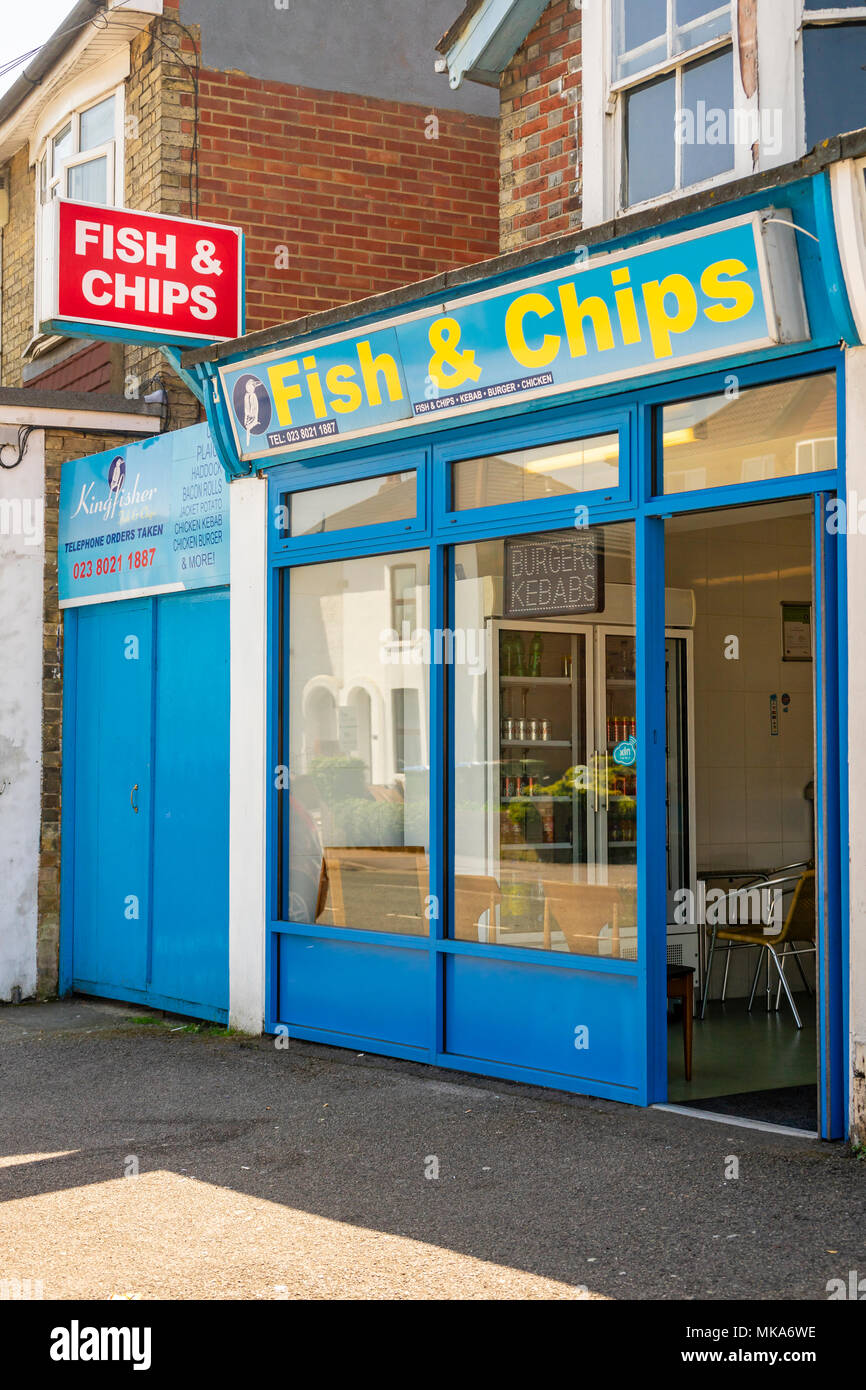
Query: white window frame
742	162
107	150
779	85
814	19
676	59
51	184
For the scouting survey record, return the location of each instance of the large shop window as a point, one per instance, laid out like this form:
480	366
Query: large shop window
530	475
357	821
545	739
775	431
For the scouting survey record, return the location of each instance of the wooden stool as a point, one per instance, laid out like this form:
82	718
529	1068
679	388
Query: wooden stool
681	985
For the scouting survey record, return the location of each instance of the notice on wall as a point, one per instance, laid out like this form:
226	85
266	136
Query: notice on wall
150	518
796	632
554	574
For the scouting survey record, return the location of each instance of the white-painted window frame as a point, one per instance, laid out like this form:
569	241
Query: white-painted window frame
779	90
813	19
51	184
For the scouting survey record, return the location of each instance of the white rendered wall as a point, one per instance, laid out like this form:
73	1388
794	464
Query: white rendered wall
248	757
22	555
855	366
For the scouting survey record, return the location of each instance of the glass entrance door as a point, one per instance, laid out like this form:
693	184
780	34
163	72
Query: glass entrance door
543	894
615	757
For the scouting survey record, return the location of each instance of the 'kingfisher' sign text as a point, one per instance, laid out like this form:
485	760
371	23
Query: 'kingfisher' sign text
148	518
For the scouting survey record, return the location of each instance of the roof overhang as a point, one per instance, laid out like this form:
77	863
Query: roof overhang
77	410
90	39
482	42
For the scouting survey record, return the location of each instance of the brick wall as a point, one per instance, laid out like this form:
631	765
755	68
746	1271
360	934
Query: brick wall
539	193
60	445
158	108
158	123
342	196
16	321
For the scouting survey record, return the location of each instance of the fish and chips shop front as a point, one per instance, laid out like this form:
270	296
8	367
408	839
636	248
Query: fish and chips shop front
537	645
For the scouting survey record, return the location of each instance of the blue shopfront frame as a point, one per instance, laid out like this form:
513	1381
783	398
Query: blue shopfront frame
407	993
380	992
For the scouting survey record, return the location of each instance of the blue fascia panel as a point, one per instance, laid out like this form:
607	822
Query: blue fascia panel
825	302
217	418
831	261
795	196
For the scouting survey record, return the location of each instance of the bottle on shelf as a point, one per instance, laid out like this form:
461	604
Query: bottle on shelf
536	654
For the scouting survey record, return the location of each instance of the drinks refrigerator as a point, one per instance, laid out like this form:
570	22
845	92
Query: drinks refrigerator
562	714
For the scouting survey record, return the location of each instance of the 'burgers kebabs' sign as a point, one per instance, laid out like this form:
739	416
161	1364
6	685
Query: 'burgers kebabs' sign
139	275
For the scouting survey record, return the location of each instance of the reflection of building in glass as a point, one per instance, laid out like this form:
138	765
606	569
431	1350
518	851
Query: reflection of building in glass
359	731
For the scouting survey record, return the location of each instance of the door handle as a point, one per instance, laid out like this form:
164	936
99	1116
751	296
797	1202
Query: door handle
606	783
595	778
132	798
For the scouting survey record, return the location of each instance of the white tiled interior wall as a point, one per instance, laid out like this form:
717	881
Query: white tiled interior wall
750	809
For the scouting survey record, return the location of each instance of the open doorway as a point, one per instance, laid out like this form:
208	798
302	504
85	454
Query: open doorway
742	910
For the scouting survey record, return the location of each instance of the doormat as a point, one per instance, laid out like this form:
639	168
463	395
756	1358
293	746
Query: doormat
794	1106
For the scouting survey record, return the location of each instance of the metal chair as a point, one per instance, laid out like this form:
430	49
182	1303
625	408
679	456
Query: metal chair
798	926
747	885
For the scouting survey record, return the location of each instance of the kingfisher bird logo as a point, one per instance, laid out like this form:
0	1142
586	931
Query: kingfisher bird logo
252	406
116	473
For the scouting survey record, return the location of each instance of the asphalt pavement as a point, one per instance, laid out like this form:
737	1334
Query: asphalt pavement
160	1159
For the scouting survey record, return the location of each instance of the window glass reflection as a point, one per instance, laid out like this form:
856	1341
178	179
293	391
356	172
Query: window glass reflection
545	777
710	150
364	502
649	139
834	56
88	182
96	125
355	821
774	431
525	475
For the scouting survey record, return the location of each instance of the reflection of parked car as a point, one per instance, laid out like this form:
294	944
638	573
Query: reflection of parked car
308	878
